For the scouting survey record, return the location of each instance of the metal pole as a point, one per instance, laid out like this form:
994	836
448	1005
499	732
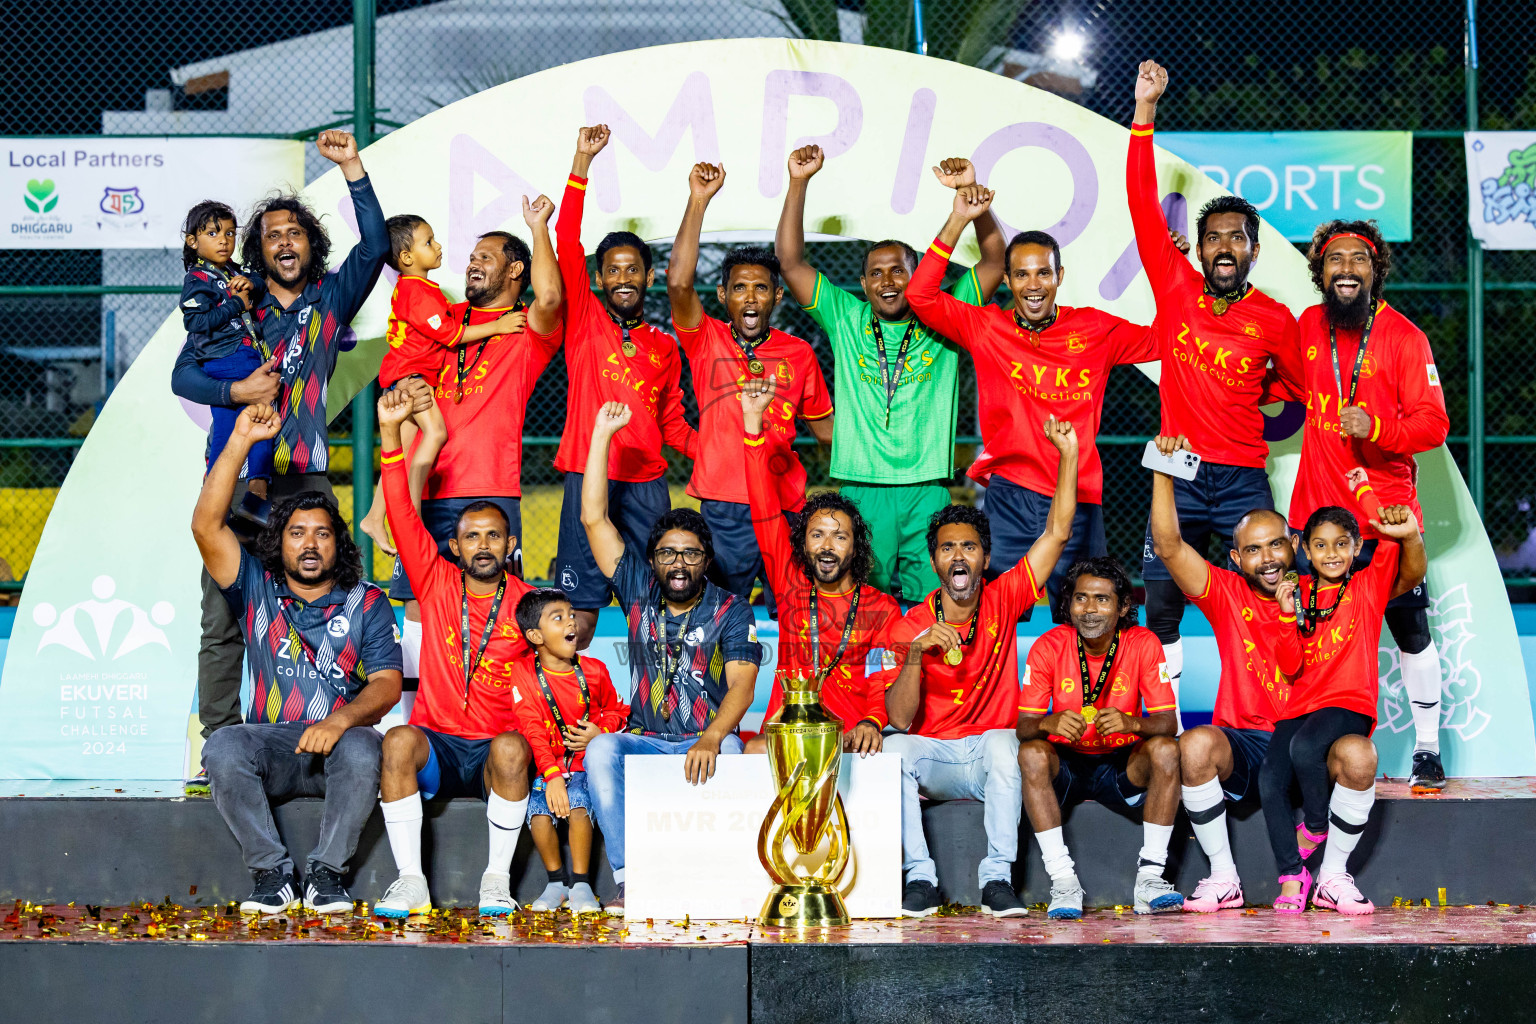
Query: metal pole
362	406
1476	422
919	35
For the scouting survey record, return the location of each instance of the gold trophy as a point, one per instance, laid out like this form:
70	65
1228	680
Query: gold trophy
805	749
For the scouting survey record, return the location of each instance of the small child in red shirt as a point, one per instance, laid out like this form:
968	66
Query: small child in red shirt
562	702
421	333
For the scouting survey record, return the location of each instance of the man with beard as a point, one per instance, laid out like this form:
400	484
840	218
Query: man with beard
612	355
833	626
957	695
301	325
483	396
894	446
693	651
462	737
1080	734
1216	335
325	666
1373	402
1261	654
721	357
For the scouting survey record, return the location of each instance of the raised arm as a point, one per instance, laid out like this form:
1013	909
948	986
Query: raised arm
602	536
571	257
1044	552
789	240
959	321
548	294
1399	523
1188	569
1159	256
957	172
358	272
216	542
703	182
415	546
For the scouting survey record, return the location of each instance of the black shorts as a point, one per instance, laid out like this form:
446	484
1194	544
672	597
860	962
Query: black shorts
1018	517
455	766
441	518
633	509
1248	749
1417	598
1211	503
1099	777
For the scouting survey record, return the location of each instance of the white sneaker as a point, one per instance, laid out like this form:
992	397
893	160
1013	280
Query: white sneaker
583	900
1156	895
496	894
1066	899
551	898
405	896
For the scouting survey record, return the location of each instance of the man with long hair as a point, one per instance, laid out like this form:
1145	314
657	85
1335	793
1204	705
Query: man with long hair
325	667
833	626
301	327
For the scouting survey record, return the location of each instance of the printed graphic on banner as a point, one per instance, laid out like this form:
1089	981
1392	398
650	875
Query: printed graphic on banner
1297	180
131	193
1501	188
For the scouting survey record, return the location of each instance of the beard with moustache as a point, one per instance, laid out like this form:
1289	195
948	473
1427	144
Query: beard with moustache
484	567
1347	313
324	574
480	292
666	575
828	568
960	592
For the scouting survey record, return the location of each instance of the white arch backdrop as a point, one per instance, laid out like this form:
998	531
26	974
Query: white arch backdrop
102	663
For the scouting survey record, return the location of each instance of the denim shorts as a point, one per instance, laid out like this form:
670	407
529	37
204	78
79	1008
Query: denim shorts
575	789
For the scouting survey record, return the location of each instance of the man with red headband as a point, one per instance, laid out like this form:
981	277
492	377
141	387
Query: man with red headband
1373	401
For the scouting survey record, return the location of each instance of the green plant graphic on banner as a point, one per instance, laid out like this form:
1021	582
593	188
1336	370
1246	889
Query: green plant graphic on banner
40	196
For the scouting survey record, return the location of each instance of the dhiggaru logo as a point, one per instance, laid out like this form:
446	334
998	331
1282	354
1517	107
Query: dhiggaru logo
98	616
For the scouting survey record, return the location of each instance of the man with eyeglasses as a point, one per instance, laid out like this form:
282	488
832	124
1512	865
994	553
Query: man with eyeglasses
693	651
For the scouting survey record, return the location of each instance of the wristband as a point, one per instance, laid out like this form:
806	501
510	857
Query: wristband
1141	129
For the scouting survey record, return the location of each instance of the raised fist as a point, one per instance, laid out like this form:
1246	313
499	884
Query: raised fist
538	211
955	172
337	146
806	161
705	180
590	141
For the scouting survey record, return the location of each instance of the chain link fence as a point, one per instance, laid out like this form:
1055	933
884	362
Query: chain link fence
72	321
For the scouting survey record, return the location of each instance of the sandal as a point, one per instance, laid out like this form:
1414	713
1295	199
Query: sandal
1298	903
1317	839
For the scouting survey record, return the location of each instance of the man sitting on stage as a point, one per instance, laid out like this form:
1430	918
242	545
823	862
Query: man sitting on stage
462	737
957	695
1260	656
818	571
324	662
1080	735
693	650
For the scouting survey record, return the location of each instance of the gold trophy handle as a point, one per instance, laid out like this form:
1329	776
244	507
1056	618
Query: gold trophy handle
849	864
770	864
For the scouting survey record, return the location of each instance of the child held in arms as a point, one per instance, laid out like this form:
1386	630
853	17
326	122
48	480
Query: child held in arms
216	302
562	701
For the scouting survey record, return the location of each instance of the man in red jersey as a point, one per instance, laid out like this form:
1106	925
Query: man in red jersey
1260	657
611	355
1374	401
833	626
722	355
957	694
1217	336
483	396
462	736
1096	719
1033	361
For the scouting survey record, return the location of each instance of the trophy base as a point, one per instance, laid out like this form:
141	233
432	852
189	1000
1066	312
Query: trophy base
807	905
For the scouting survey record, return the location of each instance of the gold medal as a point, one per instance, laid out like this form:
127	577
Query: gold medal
629	348
755	365
1219	307
1090	713
954	656
1293	576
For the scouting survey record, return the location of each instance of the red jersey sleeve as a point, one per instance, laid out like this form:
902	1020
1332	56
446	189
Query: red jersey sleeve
1290	652
533	721
418	551
569	254
426	309
675	431
768	522
1039	675
1288	376
936	308
690	338
607	712
1164	263
1019	589
1419	423
1130	343
816	400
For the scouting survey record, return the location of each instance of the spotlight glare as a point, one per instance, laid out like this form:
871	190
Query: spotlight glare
1068	45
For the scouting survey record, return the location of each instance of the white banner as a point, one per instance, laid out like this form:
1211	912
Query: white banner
132	193
1501	188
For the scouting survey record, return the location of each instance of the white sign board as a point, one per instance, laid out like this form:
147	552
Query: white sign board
691	851
132	193
1501	188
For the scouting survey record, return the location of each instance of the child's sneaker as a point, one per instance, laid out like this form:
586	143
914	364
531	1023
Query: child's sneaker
405	896
583	900
551	898
496	894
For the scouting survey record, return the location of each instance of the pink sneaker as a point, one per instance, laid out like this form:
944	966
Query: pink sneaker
1341	894
1213	894
1298	903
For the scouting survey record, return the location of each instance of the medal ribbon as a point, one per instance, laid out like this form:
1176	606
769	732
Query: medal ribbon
554	705
1311	616
665	680
887	378
1033	331
458	385
1354	379
625	325
473	666
1091	699
842	646
938	614
1219	307
749	348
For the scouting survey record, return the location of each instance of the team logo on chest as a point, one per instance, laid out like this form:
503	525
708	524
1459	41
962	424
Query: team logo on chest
338	626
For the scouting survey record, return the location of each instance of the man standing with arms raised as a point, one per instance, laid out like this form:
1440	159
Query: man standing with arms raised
301	325
612	355
722	356
1217	336
894	445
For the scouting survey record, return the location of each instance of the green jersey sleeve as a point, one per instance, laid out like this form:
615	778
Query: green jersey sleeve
831	306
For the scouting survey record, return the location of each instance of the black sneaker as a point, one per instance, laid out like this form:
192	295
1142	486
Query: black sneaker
1428	773
273	893
324	893
999	900
919	898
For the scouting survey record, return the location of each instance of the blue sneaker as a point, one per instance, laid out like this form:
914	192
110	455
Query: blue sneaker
1066	899
1154	895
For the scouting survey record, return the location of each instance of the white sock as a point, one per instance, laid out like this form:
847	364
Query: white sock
1348	810
1421	680
505	818
1154	849
1206	806
402	823
1053	850
1173	658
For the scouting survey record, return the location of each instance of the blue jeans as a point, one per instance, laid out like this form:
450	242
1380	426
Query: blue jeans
604	765
239	365
985	768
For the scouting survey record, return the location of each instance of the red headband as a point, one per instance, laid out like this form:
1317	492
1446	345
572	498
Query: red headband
1347	234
